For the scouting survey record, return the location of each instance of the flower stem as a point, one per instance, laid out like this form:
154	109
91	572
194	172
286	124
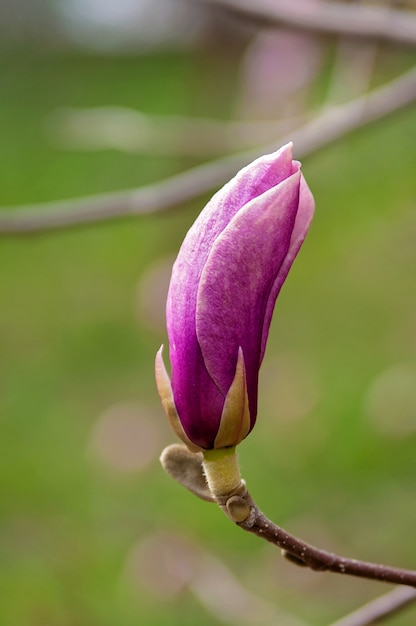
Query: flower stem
222	471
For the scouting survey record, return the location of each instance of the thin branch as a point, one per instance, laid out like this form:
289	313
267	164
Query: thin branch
329	125
321	560
369	22
304	553
379	609
190	470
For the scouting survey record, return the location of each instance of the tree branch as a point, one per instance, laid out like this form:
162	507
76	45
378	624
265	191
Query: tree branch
380	608
191	470
331	124
338	18
304	553
321	560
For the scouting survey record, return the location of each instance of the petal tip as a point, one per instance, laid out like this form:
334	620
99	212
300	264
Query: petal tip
235	419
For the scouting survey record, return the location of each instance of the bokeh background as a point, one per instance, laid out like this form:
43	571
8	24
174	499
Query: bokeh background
92	532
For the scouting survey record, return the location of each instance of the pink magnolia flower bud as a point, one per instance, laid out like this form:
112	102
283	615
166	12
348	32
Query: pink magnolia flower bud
224	284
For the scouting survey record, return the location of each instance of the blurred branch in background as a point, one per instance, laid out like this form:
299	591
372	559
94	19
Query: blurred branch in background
337	18
328	125
132	131
353	66
223	595
125	25
379	609
179	564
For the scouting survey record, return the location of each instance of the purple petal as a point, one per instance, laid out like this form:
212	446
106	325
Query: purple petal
195	393
237	280
303	221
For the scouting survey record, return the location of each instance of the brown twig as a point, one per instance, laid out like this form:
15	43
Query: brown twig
338	18
379	609
303	553
190	470
322	560
326	127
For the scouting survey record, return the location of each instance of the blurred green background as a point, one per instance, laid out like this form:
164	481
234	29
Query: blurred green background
92	533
